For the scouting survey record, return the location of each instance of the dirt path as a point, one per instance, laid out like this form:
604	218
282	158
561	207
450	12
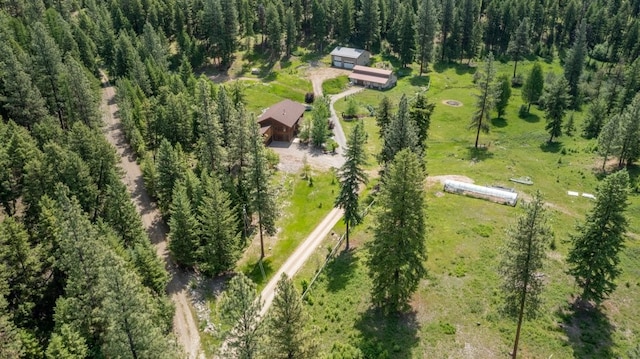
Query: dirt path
318	73
184	326
338	132
300	256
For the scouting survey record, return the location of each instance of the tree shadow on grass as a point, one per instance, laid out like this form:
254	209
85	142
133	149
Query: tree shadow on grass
499	122
256	273
553	147
478	154
461	69
531	118
588	330
419	80
339	271
387	336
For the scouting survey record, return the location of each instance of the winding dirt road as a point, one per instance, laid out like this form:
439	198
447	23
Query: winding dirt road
184	325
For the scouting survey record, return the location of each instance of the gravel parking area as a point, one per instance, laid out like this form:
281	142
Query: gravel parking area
292	157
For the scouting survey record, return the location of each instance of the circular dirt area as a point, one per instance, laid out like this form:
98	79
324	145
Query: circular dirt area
452	103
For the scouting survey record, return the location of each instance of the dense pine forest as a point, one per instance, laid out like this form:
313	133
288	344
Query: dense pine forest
79	276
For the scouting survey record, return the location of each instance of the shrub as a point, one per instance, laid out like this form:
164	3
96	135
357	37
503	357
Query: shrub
447	328
272	158
309	97
517	81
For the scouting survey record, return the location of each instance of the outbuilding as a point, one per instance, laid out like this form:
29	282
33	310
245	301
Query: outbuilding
347	57
372	77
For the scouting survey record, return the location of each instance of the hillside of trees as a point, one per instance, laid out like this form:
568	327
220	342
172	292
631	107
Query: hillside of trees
76	261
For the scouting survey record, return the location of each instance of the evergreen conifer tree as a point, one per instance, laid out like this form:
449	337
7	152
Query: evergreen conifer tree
351	176
398	251
288	337
426	27
183	234
519	44
240	311
556	101
384	115
400	134
505	93
594	260
262	194
522	262
574	64
218	229
533	86
485	101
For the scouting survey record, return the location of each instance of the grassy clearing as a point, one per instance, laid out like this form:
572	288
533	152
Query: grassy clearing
261	94
335	85
296	197
456	308
304	206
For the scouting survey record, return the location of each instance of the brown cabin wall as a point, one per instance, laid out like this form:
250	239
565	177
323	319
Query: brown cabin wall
278	131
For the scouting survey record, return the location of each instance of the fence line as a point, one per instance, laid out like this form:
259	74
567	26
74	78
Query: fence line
332	253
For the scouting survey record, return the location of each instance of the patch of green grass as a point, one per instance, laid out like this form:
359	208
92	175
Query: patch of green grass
304	207
260	95
335	85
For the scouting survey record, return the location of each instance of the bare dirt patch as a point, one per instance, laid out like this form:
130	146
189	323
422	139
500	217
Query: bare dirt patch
317	73
452	103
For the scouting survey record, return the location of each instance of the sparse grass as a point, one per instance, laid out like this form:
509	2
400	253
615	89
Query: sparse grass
335	85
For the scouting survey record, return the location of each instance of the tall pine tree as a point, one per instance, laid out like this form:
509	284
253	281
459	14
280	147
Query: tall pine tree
240	311
485	101
522	262
286	324
351	176
594	259
398	250
218	229
556	101
426	28
574	64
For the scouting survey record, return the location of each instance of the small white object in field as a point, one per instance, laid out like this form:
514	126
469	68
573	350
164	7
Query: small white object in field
572	193
588	195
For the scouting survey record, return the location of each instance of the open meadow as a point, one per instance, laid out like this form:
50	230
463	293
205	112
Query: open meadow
456	309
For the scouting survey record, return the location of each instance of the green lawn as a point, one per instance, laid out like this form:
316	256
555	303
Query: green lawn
335	85
263	93
303	208
456	307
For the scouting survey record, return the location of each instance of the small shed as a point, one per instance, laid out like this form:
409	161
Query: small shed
347	57
372	77
492	194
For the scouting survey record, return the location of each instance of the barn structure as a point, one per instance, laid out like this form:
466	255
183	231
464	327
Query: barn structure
372	77
348	58
280	121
